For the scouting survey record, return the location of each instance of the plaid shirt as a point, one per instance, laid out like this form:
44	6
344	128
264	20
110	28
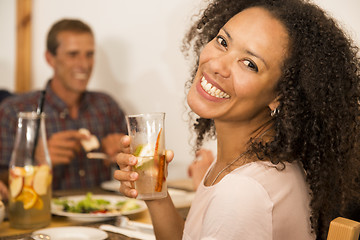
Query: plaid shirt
98	112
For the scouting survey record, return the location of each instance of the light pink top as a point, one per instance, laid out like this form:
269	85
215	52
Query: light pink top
255	201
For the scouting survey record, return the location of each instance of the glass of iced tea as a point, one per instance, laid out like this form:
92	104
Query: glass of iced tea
147	143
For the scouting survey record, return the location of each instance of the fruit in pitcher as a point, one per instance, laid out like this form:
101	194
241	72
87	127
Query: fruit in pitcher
39	204
29	175
16	184
28	196
28	183
40	182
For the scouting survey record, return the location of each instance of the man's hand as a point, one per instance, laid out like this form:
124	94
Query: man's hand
64	145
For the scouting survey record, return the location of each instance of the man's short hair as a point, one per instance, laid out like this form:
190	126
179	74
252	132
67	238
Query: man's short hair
72	25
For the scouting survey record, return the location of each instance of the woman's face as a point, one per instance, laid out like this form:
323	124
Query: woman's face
239	69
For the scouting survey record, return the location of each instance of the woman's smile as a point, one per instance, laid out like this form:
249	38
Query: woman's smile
212	90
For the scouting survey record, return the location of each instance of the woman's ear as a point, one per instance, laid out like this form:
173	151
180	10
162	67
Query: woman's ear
274	104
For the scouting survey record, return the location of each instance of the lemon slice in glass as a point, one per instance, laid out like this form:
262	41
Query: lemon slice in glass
145	154
144	163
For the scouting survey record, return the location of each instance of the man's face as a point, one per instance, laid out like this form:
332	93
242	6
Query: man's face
73	61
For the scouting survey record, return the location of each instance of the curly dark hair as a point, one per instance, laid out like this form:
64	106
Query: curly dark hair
318	121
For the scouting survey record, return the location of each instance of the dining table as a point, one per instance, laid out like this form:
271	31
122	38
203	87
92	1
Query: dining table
7	232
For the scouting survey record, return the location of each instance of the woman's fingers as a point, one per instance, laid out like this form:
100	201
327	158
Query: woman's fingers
169	155
125	175
124	159
127	178
128	190
125	144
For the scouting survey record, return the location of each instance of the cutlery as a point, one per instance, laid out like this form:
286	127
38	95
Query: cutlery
39	236
124	222
127	232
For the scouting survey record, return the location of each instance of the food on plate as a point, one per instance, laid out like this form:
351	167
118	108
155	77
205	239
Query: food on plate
90	204
91	143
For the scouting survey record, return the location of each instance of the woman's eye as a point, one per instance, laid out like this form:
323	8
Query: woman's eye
221	41
250	65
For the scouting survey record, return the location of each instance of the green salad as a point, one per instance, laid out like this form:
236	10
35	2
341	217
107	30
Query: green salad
92	205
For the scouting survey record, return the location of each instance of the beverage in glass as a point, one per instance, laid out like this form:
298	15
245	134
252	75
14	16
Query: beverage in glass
147	143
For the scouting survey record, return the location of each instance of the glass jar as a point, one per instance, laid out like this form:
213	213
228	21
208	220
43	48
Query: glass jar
30	174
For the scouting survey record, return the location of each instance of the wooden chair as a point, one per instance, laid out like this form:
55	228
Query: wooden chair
343	229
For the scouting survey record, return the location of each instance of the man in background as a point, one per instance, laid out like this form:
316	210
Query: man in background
69	106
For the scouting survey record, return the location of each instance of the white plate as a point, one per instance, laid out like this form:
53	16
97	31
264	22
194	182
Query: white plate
73	233
180	198
112	185
93	217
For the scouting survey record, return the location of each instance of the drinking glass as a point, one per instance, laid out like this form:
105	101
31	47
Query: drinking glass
147	143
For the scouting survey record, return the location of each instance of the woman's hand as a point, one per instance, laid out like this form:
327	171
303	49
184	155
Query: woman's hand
125	175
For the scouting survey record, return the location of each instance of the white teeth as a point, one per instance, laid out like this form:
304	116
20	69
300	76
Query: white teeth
212	90
80	75
208	87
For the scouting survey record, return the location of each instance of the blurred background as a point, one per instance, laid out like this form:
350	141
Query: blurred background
138	57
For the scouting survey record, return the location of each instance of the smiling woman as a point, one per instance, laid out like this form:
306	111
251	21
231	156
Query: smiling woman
277	83
311	111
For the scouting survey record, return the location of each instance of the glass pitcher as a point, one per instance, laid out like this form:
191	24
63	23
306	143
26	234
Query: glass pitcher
30	174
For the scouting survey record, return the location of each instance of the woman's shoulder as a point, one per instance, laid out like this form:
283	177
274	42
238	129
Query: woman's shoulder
275	179
269	170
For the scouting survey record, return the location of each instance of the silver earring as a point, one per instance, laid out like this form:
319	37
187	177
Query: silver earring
274	112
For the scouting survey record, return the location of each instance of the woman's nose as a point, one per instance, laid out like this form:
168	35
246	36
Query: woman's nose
221	65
